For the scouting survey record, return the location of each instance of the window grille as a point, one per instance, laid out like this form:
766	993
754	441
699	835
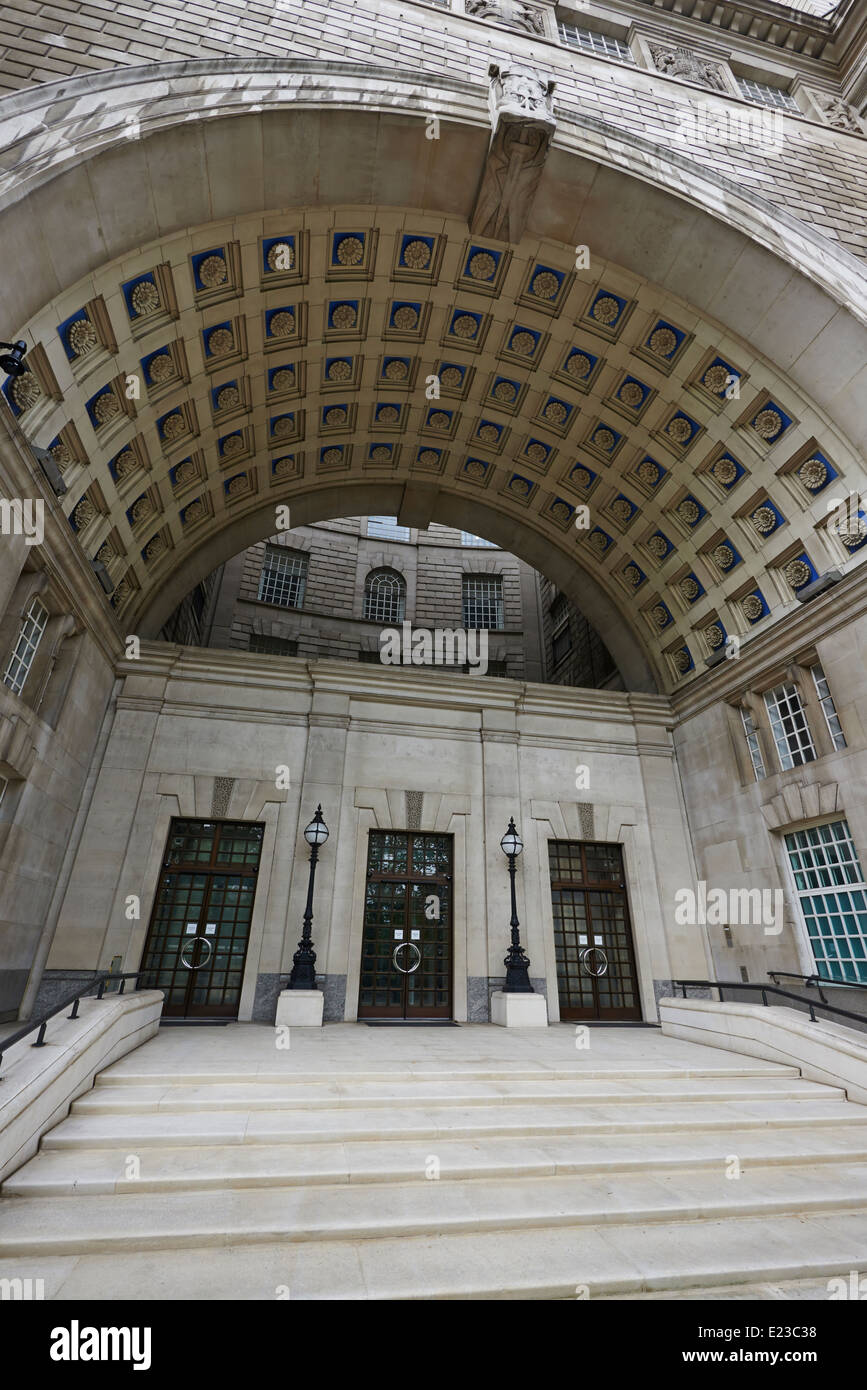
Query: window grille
832	896
789	726
483	601
562	645
752	738
386	528
829	709
284	577
384	597
766	95
589	41
467	538
21	660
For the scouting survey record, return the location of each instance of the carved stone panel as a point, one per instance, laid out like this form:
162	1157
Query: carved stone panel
513	14
690	66
838	113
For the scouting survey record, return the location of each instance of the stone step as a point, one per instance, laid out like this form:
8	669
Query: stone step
128	1072
787	1289
177	1098
287	1126
63	1225
64	1172
723	1259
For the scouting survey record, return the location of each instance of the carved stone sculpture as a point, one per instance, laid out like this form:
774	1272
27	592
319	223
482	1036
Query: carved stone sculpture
683	63
839	114
522	120
526	17
512	13
517	93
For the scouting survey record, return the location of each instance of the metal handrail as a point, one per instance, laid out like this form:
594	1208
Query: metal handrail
765	990
817	980
103	976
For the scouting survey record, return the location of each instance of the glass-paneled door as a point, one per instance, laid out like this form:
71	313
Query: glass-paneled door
406	951
596	971
200	925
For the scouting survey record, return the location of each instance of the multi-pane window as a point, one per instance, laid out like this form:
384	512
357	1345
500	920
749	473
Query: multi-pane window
590	42
789	726
828	708
21	660
766	95
273	646
386	528
483	600
561	644
752	738
467	538
832	894
384	596
283	578
561	640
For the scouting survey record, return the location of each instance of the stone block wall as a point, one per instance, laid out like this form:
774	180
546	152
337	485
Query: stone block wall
816	172
738	821
340	557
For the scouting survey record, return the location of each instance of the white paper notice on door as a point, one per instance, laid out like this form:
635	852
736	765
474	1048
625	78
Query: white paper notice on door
210	928
190	929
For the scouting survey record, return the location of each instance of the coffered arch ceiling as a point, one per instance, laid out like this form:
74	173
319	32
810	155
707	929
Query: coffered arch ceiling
282	352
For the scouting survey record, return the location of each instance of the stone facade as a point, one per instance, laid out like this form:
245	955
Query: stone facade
355	738
330	622
73	37
590	284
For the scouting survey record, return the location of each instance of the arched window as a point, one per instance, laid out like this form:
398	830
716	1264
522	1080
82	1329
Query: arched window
384	596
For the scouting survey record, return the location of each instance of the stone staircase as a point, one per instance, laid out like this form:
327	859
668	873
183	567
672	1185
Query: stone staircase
458	1181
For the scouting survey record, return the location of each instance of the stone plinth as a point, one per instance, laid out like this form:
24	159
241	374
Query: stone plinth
519	1010
300	1008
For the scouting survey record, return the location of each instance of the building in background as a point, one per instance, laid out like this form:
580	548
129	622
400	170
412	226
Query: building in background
332	589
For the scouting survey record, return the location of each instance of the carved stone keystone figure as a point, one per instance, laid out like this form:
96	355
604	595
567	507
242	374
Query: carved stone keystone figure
522	119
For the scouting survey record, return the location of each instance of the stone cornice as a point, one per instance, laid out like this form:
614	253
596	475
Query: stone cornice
411	688
60	555
795	632
745	22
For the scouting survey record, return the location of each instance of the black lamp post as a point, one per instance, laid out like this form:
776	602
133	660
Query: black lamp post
304	960
12	361
516	963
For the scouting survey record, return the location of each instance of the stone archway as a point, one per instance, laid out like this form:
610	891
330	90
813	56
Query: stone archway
734	514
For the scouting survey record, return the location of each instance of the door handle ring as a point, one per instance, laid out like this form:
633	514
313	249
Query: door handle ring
594	951
410	945
188	965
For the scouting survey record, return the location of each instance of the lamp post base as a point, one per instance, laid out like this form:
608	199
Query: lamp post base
519	1010
300	1008
303	974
